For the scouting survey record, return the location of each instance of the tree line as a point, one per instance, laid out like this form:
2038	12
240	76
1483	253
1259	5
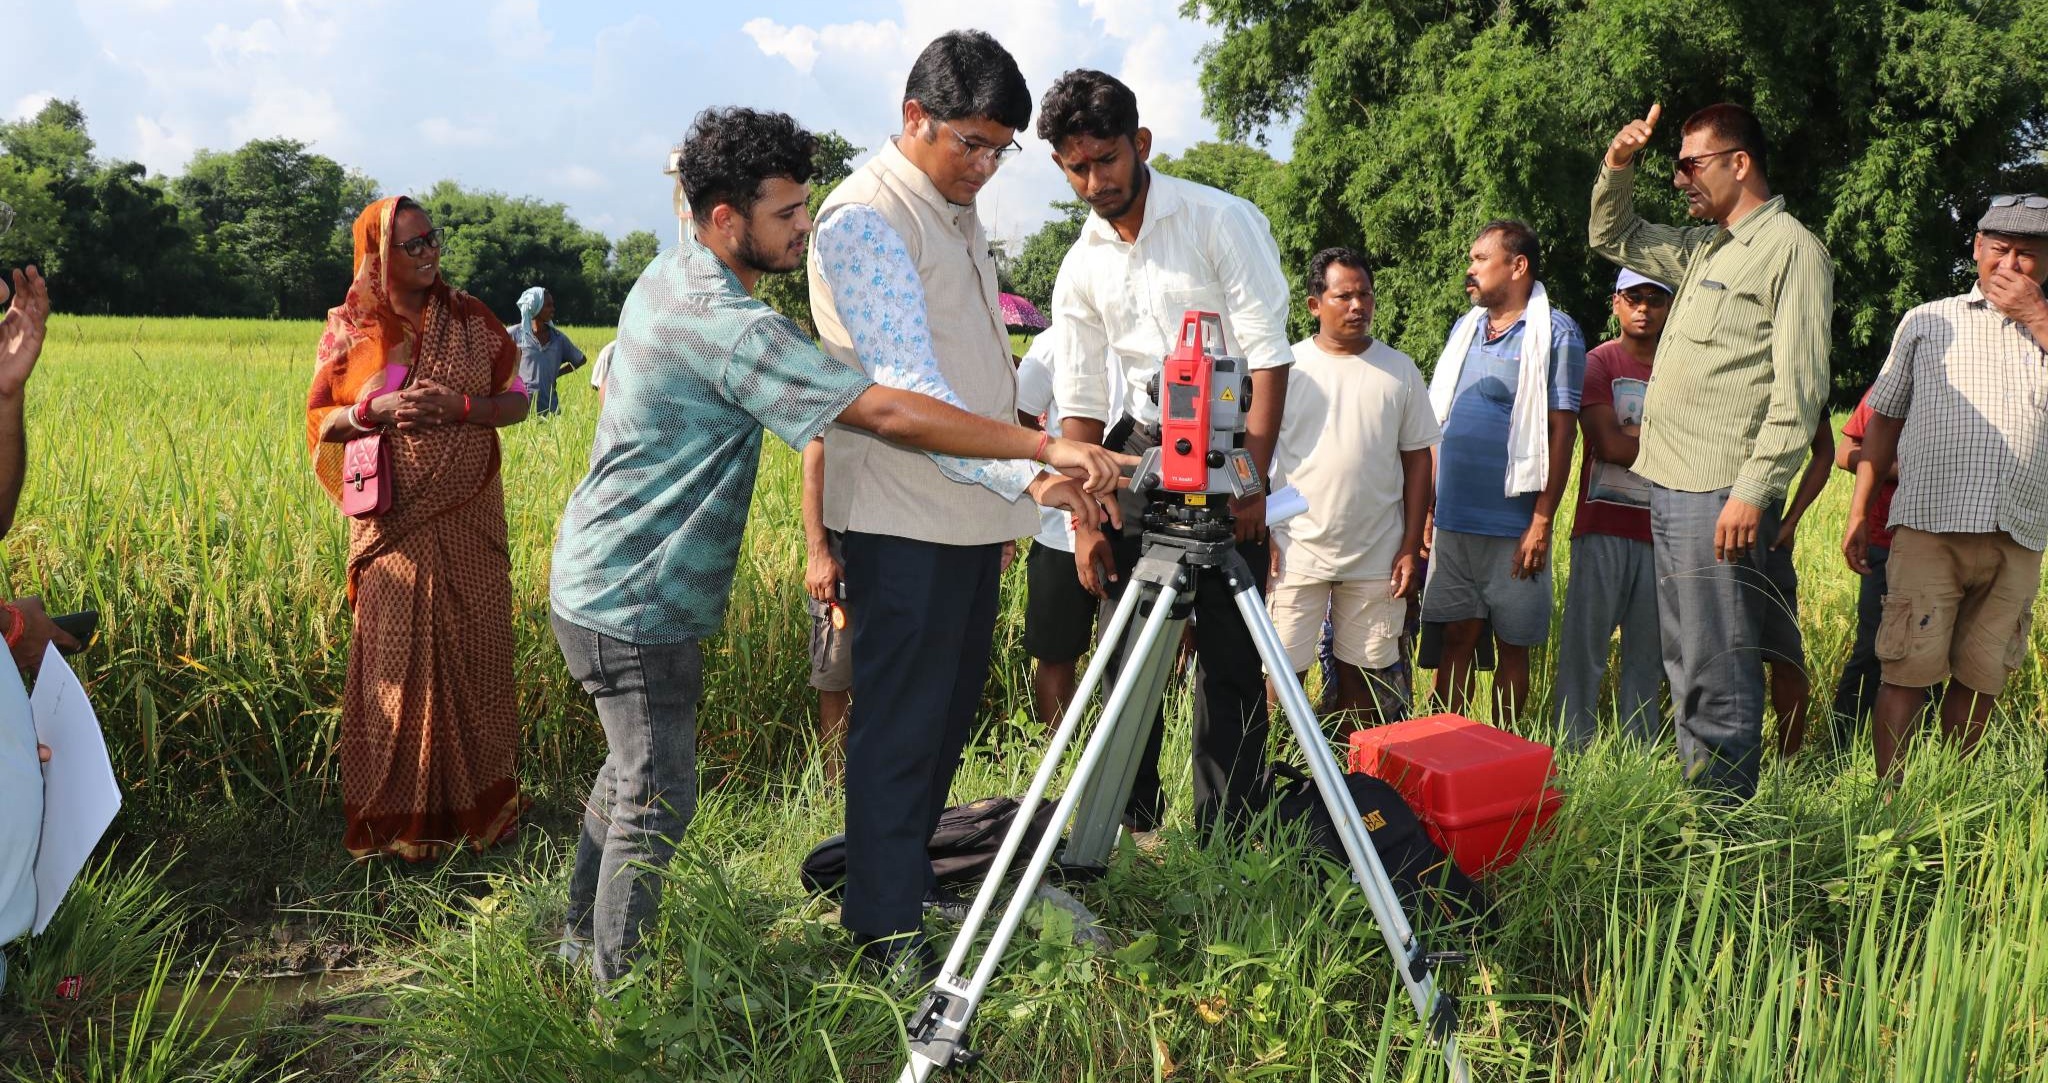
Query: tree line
264	231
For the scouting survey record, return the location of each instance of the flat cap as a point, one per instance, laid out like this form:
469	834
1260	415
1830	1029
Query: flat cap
2021	216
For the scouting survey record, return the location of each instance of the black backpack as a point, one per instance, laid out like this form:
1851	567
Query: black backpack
962	847
1420	871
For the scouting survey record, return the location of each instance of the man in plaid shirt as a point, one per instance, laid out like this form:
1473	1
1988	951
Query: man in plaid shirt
1962	404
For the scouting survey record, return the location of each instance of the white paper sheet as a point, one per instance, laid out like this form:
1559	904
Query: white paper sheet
80	796
1284	505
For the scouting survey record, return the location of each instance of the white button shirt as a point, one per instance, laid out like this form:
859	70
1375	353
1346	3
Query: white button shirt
1197	248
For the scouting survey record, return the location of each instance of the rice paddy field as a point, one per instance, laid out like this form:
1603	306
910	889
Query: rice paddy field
1817	933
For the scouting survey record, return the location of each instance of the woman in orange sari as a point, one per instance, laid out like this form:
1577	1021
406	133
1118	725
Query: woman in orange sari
429	724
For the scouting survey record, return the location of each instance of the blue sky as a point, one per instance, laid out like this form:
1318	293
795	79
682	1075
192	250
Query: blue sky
577	103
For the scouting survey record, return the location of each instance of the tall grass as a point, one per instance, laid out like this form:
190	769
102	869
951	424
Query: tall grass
1819	932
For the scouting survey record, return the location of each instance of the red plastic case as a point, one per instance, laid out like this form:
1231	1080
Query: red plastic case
1480	791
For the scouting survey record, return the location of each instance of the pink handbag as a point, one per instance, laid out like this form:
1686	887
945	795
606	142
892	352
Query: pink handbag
366	481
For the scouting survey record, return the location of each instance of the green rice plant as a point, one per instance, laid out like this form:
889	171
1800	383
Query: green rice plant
115	925
155	1038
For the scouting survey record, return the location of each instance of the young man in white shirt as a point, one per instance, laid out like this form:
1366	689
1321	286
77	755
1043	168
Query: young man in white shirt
1153	248
1356	443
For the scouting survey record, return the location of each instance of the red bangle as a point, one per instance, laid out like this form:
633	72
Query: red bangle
465	407
1044	438
363	414
16	625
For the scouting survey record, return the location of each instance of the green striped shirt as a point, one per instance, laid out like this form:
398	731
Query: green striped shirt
1742	371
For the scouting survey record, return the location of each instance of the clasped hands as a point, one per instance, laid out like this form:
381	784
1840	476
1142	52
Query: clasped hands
425	404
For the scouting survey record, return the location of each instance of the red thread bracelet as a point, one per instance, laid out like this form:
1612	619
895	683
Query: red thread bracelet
16	625
465	407
1044	438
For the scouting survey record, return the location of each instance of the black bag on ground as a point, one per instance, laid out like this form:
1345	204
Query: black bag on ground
1420	871
963	847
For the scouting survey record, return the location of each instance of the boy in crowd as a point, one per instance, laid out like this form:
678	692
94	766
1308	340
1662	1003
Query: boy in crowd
831	646
1856	692
1614	573
1355	440
1783	644
1061	597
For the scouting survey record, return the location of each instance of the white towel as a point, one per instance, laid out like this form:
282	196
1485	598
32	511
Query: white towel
1529	427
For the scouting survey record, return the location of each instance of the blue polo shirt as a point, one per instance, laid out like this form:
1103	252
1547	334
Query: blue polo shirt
1472	462
650	537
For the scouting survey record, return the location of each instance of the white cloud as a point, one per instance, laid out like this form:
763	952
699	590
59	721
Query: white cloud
297	112
262	38
161	148
28	105
442	132
581	176
796	44
516	29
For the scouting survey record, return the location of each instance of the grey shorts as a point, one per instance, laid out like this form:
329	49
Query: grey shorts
831	648
1471	578
1782	641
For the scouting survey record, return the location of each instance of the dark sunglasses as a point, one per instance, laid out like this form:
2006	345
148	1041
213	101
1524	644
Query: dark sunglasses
418	245
1690	164
2032	203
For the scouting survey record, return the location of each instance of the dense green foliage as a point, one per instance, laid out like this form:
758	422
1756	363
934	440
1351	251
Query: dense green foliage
1820	933
1237	168
1892	122
264	231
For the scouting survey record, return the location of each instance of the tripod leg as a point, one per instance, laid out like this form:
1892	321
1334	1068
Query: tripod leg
1438	1010
936	1031
1098	818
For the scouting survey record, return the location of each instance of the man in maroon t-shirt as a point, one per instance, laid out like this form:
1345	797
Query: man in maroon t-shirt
1613	575
1856	693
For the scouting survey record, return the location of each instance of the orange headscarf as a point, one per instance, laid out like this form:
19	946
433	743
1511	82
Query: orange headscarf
363	336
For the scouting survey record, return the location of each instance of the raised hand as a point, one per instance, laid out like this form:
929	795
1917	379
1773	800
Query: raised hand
21	331
1632	138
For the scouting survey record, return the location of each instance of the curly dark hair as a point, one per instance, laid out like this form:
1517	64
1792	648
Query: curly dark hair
730	151
1087	102
1319	267
966	74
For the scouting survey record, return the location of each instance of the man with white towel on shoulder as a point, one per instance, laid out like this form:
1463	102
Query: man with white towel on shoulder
1506	391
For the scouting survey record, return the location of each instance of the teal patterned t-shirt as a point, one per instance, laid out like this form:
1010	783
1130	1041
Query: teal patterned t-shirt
650	536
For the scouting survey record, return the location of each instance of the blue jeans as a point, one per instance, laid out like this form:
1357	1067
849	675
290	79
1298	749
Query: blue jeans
1711	614
646	791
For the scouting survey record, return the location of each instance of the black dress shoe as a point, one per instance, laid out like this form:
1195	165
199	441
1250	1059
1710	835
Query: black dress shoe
906	958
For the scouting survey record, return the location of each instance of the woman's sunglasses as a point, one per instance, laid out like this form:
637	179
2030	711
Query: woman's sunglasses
419	245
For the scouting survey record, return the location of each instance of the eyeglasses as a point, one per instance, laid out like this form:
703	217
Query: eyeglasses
1652	298
1690	164
981	152
2032	203
419	245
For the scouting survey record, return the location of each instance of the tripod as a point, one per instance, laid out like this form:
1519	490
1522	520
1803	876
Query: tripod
1176	546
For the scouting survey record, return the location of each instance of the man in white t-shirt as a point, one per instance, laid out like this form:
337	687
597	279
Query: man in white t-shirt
1355	440
1061	599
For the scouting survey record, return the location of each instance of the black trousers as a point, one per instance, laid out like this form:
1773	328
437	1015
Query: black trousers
1230	703
923	620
